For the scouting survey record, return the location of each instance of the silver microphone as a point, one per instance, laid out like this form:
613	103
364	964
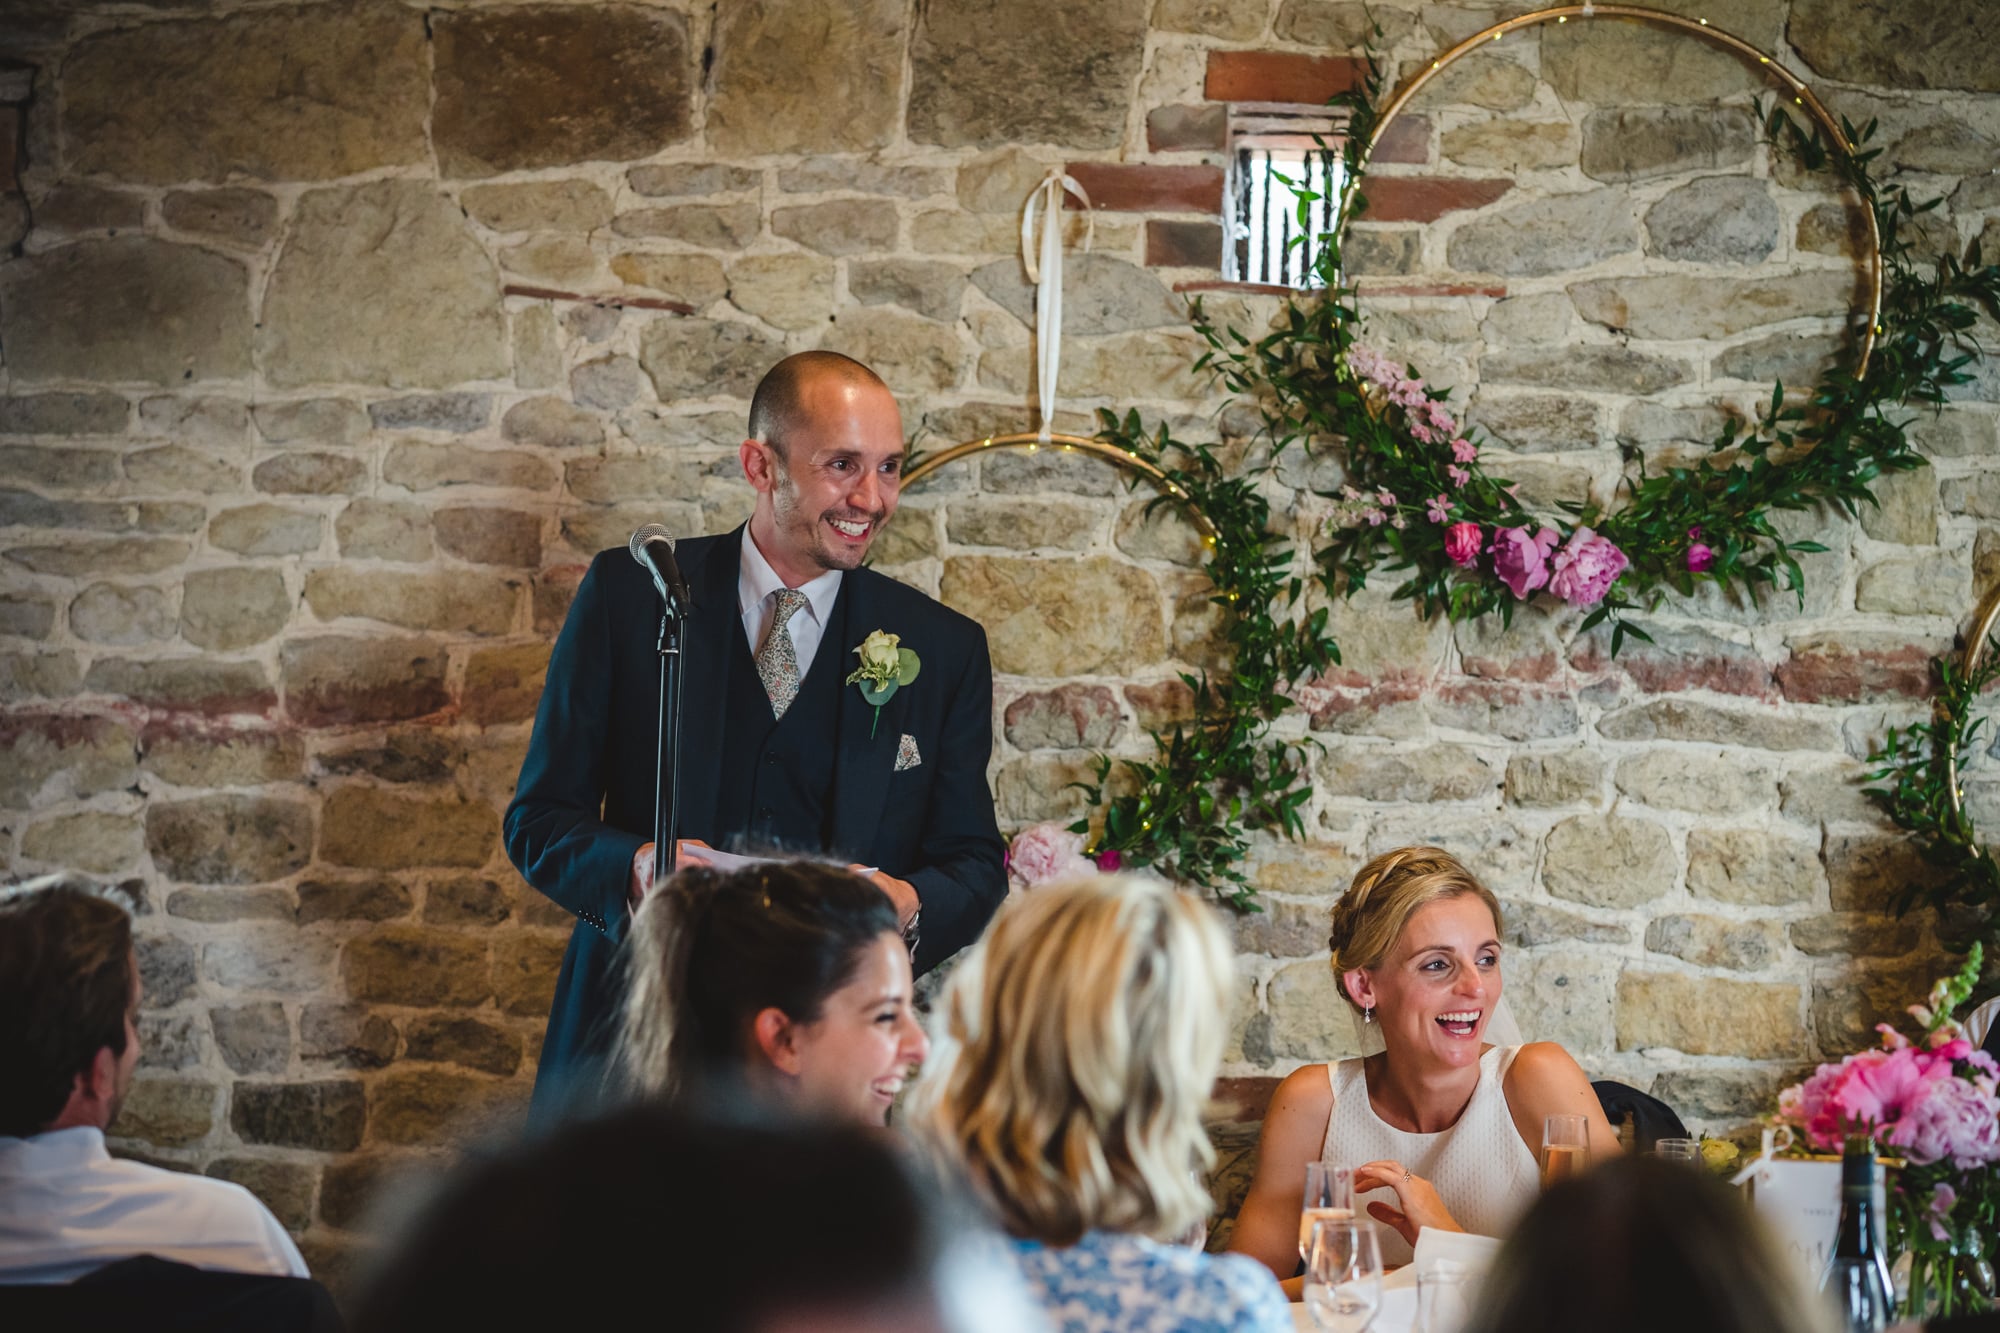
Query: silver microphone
653	547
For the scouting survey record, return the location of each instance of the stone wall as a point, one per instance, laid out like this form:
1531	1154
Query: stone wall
338	336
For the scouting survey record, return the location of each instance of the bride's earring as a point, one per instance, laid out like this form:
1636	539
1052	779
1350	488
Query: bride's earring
1368	1014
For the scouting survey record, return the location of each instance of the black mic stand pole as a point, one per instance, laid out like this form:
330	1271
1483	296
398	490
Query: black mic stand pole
667	764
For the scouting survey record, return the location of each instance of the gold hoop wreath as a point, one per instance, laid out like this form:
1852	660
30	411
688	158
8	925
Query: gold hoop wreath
1802	96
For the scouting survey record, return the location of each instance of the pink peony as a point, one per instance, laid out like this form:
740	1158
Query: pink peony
1044	852
1462	542
1952	1119
1520	560
1584	570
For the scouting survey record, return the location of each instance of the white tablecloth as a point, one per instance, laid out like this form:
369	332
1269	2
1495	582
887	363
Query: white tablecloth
1397	1315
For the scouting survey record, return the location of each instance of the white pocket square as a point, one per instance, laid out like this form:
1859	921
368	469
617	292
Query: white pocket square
906	753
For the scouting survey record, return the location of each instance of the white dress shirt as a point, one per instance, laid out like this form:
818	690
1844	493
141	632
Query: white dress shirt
68	1207
757	587
1980	1021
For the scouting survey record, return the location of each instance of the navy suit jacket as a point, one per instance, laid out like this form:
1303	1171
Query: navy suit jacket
584	803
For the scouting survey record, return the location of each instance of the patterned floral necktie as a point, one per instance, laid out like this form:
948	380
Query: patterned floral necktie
777	660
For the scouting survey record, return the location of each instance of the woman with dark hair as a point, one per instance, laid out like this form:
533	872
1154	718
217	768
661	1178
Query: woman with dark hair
785	980
1644	1245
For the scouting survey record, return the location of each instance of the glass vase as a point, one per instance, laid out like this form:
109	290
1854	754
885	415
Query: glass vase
1947	1277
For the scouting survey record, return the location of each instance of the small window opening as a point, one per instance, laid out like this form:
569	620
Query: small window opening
1276	152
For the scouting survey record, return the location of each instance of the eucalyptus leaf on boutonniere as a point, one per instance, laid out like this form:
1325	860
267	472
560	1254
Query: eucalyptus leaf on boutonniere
886	666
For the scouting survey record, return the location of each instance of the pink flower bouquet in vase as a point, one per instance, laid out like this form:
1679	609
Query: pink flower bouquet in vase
1935	1103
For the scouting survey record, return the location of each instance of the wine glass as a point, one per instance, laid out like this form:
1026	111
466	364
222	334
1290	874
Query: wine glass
1565	1147
1329	1197
1444	1298
1677	1150
1343	1287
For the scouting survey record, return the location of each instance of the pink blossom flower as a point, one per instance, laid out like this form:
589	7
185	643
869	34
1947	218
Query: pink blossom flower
1701	558
1044	852
1464	450
1438	508
1943	1198
1520	560
1407	394
1422	432
1376	517
1584	570
1110	861
1462	542
1438	417
1386	498
1459	476
1372	365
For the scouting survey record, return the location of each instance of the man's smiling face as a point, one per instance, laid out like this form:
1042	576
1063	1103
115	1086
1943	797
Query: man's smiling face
829	484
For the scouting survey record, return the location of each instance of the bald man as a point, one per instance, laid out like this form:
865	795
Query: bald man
777	751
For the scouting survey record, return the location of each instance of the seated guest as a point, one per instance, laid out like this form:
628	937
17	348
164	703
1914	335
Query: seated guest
654	1218
69	991
1088	1028
788	981
1639	1246
1439	1121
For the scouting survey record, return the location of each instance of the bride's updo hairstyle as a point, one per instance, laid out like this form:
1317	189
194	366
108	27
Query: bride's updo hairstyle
1385	894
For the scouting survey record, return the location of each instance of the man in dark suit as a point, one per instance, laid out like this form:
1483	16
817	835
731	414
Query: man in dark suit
777	751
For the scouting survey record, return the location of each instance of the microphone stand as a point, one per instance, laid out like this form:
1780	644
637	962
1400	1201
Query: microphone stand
667	763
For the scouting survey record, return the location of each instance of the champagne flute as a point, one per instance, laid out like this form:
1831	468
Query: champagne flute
1329	1197
1565	1147
1343	1288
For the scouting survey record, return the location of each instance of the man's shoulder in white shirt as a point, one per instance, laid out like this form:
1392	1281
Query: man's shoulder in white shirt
1980	1021
67	1208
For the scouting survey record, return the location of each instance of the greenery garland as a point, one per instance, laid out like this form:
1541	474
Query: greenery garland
1919	764
1418	499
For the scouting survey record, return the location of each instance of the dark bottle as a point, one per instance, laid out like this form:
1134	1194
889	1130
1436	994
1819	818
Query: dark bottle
1857	1276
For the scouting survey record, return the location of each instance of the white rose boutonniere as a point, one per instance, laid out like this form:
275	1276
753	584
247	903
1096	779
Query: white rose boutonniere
886	666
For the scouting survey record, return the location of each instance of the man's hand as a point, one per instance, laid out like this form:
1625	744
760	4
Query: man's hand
900	892
688	852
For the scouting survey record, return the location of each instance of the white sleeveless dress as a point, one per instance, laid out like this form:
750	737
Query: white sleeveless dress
1481	1168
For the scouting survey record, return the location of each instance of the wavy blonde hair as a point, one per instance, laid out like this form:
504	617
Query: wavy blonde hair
1081	1042
1385	894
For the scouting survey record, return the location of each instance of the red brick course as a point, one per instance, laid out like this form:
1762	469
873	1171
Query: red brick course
1125	187
1184	244
1279	76
1427	198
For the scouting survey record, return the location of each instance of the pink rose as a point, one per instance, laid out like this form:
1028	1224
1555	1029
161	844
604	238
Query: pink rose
1110	861
1584	570
1044	852
1520	560
1700	558
1462	542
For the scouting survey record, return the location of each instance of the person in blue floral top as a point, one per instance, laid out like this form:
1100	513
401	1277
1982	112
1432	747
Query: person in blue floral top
1080	1043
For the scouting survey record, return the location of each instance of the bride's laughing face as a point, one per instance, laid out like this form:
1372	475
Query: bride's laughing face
1435	992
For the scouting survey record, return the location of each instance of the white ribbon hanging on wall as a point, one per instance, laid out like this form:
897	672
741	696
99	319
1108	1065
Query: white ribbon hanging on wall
1045	272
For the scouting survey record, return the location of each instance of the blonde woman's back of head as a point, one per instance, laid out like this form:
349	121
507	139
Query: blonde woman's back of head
1080	1043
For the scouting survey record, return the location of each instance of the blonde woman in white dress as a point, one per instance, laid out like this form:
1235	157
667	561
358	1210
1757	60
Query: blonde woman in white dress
1441	1127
